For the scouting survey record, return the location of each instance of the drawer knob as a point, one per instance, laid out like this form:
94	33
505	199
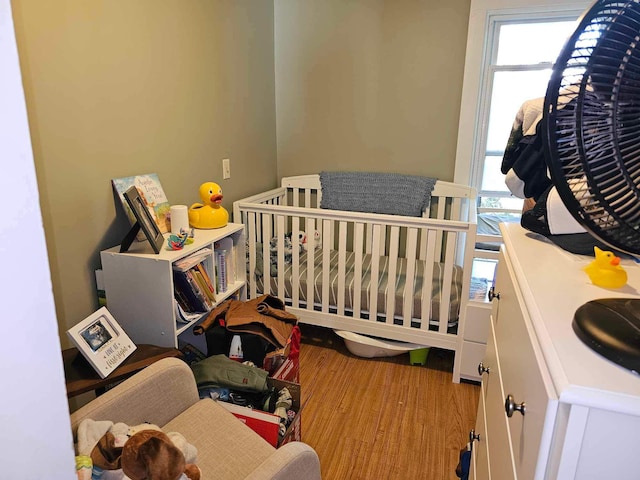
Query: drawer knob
492	294
511	406
473	436
482	369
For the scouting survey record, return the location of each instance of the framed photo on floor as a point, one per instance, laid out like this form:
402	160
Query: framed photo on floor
101	341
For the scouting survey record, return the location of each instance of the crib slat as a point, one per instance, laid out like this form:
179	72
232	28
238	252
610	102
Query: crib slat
369	238
442	204
310	268
295	260
390	293
409	286
295	196
445	297
251	219
342	260
358	239
375	272
281	263
427	283
307	197
266	254
326	263
456	209
259	228
423	244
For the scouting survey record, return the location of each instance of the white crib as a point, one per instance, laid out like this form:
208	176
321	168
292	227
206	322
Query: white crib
336	282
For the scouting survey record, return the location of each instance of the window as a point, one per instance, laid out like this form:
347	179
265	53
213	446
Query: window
519	61
510	54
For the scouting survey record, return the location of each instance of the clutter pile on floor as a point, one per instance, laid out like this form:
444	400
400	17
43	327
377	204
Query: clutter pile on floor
252	358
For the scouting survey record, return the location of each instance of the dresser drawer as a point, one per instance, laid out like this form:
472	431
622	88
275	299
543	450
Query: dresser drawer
471	355
523	378
476	323
497	432
480	456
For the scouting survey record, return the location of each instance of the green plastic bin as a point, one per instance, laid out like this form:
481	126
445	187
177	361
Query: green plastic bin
418	356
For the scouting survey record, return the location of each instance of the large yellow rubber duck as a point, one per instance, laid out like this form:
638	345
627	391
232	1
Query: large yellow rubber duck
210	213
605	271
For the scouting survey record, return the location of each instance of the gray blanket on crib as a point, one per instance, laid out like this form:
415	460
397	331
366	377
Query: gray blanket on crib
370	192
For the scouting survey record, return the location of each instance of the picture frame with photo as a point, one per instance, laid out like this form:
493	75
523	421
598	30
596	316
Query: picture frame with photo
102	341
144	221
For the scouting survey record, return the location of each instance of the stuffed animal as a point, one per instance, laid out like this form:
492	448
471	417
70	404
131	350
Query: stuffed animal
101	445
151	455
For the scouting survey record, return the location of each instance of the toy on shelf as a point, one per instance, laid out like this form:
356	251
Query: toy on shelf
178	241
210	213
605	271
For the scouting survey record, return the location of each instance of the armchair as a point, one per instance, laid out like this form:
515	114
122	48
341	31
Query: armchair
165	393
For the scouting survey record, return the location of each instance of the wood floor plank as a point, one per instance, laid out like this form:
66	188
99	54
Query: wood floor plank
382	418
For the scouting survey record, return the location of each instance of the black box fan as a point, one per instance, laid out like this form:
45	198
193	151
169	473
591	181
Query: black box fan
592	143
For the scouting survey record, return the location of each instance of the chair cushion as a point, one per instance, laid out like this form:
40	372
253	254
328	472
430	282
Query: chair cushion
227	448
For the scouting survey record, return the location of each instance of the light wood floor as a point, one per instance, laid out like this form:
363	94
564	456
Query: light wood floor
382	418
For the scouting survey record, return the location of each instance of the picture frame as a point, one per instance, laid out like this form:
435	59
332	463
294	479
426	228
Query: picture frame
102	341
144	221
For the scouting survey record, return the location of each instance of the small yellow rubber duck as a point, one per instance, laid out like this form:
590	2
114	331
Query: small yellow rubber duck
605	271
210	213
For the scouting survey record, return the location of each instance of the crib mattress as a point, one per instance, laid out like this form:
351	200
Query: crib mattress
383	284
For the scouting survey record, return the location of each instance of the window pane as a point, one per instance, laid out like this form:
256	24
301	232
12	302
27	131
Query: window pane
492	177
509	203
531	43
510	91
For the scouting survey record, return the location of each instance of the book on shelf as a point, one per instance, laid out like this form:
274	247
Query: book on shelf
195	285
202	283
152	194
192	260
187	290
207	281
226	245
221	269
182	301
184	316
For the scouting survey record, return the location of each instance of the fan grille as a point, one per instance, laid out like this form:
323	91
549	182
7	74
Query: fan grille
592	115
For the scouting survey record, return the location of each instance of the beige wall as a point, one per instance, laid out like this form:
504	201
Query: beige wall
369	85
119	88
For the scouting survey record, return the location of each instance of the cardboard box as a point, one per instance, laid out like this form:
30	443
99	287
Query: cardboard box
294	430
267	424
289	370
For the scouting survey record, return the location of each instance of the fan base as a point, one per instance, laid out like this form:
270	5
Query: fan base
611	327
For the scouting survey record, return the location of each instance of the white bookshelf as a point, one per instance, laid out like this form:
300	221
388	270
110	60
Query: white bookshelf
139	284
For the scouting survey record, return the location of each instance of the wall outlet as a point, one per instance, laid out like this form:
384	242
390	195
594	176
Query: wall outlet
226	168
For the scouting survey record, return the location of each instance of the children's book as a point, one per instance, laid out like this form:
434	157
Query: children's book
153	195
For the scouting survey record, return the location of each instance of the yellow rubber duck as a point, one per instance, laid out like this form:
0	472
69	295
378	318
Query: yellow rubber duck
605	271
210	213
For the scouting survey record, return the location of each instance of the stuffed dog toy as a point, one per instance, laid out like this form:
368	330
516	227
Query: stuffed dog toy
151	455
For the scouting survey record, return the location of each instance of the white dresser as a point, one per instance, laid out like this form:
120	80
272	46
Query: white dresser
581	412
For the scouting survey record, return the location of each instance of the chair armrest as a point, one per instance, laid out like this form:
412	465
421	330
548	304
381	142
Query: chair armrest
292	461
156	395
